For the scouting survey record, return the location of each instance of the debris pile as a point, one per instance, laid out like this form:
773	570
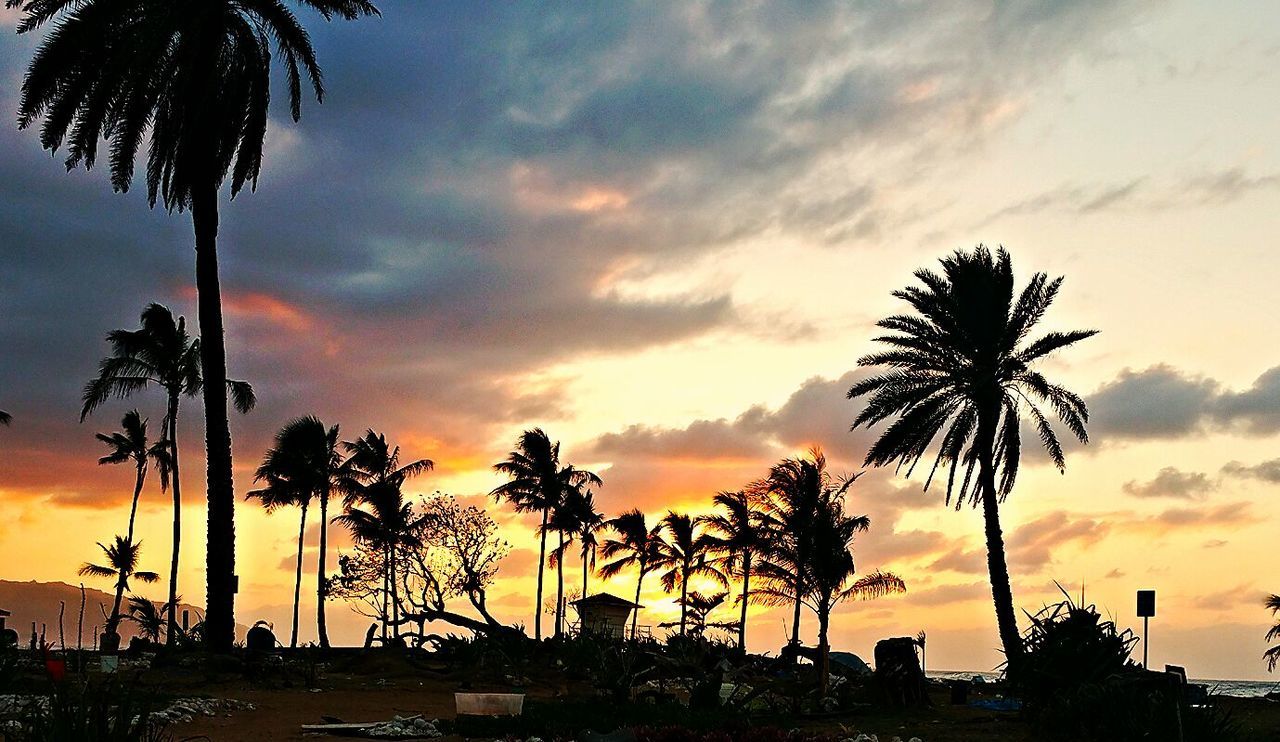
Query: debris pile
403	726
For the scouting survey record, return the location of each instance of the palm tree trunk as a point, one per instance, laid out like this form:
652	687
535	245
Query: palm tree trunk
746	591
684	599
824	652
171	631
395	594
795	617
997	567
220	562
386	592
297	582
137	492
560	586
542	560
113	621
321	629
635	612
585	567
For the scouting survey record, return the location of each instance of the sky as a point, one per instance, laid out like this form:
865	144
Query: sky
664	232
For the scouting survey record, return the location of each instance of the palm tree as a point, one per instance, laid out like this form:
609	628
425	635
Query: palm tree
736	535
637	546
303	464
684	554
122	565
374	475
131	444
790	498
961	366
197	84
159	353
1272	655
538	484
149	618
588	522
279	493
5	418
387	524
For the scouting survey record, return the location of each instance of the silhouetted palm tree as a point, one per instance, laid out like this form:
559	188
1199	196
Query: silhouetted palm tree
790	498
281	492
737	534
159	353
149	618
5	418
961	366
637	546
122	565
385	523
303	464
374	475
131	444
196	82
586	524
538	485
1272	655
684	554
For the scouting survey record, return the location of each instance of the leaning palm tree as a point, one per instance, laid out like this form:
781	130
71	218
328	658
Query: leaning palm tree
637	546
196	82
131	445
160	353
736	533
303	464
961	367
280	492
122	566
791	497
1272	655
685	555
538	484
374	474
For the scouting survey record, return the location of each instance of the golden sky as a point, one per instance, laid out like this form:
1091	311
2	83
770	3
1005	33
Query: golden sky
663	233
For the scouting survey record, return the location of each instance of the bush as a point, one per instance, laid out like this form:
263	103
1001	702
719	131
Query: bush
90	711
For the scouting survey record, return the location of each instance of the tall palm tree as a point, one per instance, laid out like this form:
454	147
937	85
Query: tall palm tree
281	492
684	554
196	83
538	484
736	534
374	474
587	525
122	565
303	464
637	546
962	365
1272	655
160	353
131	444
790	497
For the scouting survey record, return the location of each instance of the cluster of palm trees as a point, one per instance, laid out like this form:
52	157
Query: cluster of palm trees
308	463
160	354
788	531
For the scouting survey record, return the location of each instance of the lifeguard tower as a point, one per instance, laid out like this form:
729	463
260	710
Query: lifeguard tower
605	615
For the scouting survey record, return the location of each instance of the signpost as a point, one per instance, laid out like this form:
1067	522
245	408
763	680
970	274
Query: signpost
1146	609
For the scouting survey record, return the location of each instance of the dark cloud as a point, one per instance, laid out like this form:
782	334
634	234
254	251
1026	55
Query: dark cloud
1266	471
1170	482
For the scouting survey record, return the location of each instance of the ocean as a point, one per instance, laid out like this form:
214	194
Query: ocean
1238	688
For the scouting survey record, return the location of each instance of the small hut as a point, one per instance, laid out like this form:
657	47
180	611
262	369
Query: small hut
603	614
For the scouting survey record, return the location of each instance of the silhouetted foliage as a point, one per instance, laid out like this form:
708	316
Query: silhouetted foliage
160	353
685	554
637	545
122	566
737	533
1272	655
196	84
962	367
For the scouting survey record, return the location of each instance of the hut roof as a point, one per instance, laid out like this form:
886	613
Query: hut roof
606	599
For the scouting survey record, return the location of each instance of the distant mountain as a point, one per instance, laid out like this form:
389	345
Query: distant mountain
39	602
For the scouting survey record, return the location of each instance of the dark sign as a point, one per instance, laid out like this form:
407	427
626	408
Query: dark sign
1146	603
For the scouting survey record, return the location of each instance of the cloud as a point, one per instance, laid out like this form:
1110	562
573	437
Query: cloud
1170	482
1229	514
968	561
1032	545
1162	402
1266	471
950	594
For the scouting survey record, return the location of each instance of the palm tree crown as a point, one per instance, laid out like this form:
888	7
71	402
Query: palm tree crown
684	555
736	533
122	565
1272	655
962	367
131	445
637	545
